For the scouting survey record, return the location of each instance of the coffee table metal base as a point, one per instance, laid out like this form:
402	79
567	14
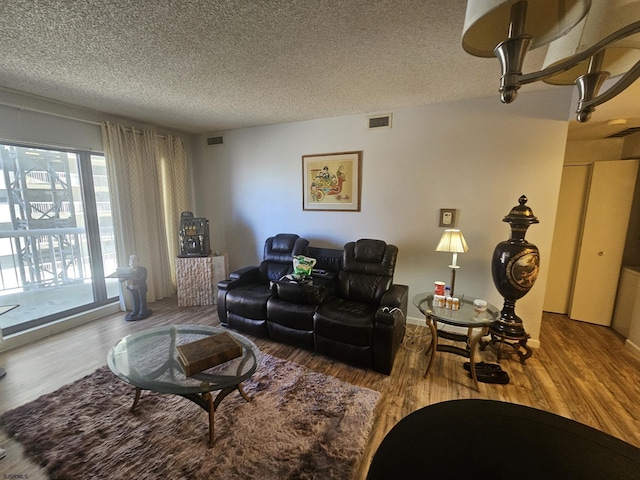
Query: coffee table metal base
204	400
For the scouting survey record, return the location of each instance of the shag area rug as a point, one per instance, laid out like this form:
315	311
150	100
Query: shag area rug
299	425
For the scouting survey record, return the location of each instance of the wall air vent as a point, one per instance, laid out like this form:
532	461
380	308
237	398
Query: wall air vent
380	121
625	132
214	141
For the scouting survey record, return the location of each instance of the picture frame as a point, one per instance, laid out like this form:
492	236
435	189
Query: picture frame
332	181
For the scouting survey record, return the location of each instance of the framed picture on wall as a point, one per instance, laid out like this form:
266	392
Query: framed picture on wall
331	181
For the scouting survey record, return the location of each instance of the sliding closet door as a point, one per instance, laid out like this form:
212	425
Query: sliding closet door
603	238
574	190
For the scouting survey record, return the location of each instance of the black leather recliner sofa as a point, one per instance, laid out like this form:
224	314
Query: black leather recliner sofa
351	310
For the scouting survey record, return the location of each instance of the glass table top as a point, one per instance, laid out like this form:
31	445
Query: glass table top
149	360
466	316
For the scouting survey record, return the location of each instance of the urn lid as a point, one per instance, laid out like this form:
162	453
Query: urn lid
521	214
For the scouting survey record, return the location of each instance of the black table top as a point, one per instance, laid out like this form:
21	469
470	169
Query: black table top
462	439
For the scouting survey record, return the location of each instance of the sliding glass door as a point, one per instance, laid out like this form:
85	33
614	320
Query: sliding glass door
56	235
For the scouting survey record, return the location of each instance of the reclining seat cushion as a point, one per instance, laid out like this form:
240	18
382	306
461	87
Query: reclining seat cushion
346	321
249	301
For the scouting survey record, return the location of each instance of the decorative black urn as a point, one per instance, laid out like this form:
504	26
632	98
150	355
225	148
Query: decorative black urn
514	266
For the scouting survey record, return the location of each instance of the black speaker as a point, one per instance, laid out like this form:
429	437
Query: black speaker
194	236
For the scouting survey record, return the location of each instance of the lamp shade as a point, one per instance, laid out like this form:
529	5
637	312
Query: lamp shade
487	22
452	241
604	18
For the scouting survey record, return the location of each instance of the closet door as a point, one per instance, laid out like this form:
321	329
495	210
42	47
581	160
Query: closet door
574	190
603	238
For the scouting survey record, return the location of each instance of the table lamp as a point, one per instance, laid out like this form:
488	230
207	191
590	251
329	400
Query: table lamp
453	241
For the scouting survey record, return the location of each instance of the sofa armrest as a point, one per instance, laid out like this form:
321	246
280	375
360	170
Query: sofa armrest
389	315
393	306
396	296
389	327
240	277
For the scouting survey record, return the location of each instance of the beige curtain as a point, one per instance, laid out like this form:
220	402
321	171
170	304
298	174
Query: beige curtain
147	179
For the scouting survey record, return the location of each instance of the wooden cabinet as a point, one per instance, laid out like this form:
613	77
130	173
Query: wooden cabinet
198	277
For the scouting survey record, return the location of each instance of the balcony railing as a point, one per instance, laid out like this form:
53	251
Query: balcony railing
49	257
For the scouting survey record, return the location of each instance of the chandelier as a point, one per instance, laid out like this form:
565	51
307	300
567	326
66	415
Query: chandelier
589	42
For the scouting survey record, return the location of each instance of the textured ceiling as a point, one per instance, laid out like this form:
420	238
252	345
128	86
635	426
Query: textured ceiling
203	66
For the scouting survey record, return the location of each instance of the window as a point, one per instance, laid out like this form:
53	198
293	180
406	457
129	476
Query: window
56	235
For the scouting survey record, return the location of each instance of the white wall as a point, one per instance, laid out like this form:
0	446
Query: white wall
477	156
34	128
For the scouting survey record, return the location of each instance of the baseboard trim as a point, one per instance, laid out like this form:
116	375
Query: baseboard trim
416	321
635	349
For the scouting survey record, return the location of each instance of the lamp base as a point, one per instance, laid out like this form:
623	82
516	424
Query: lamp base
453	277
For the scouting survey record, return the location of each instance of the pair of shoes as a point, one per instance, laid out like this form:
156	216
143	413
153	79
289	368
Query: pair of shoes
488	373
482	366
492	376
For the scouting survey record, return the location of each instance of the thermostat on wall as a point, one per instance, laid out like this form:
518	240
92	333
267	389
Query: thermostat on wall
448	217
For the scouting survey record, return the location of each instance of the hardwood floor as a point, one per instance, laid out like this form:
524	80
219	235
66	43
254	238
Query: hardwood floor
581	371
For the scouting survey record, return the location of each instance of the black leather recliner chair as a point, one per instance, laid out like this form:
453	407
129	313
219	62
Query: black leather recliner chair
242	299
364	323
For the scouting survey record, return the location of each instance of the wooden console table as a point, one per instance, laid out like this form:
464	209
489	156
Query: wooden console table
198	277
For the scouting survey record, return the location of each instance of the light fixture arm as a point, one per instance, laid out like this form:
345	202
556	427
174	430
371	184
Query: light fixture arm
588	104
512	51
511	54
589	85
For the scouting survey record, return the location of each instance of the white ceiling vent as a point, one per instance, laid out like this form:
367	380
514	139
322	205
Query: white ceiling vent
380	121
214	141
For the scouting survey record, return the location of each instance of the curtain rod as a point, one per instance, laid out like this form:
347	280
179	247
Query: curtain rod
140	132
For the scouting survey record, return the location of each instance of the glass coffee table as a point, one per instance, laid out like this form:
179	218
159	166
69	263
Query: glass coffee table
148	360
465	317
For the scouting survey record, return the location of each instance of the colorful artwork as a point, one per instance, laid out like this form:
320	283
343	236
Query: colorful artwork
331	181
